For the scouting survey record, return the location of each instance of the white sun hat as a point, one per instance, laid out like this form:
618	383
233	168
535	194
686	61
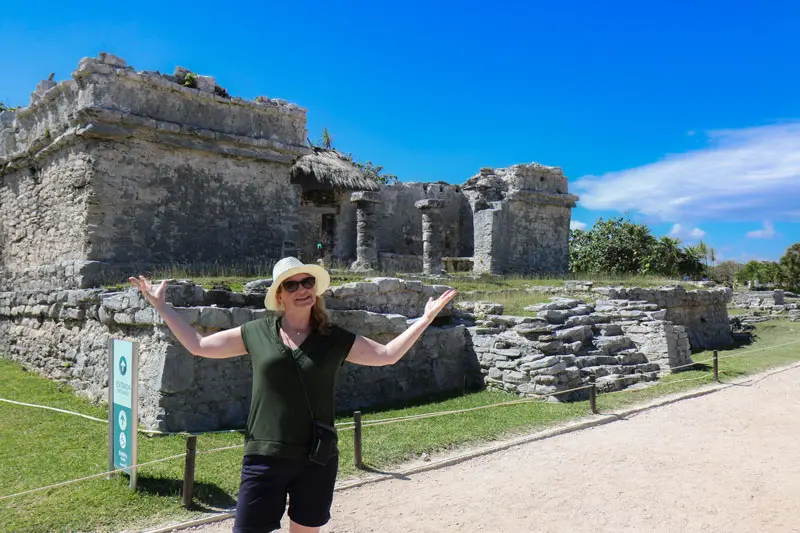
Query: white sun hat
291	266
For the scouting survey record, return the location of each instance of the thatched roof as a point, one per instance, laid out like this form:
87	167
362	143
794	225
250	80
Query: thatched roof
328	169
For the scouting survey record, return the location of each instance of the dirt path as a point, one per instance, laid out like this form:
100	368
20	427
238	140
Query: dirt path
729	461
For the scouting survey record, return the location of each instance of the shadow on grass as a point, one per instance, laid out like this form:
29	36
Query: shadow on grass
413	402
394	475
759	379
207	496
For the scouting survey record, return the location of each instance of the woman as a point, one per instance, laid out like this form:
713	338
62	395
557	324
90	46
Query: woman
296	357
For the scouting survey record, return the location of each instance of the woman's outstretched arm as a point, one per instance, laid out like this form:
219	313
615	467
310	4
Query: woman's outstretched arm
227	343
370	353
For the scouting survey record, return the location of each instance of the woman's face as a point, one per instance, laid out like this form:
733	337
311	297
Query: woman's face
302	298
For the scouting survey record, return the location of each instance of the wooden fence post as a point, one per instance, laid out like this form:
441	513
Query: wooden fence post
593	395
188	471
716	366
357	440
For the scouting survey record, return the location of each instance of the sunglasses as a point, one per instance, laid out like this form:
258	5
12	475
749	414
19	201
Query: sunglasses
292	285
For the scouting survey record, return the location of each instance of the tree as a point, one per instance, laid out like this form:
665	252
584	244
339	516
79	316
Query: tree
789	275
325	141
616	246
769	272
725	272
374	172
619	246
664	258
691	263
750	272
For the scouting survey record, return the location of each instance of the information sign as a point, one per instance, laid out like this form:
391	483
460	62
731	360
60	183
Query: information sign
123	401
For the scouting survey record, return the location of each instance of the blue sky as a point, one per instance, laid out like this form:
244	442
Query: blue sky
684	114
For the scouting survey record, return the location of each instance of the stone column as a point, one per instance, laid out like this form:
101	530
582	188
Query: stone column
431	235
366	225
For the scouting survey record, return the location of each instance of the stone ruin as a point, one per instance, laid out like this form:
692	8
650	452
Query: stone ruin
627	337
114	170
763	305
635	337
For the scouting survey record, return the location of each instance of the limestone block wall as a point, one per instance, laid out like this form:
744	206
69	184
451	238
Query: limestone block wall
758	299
395	263
116	165
386	295
521	219
43	209
400	223
155	204
64	334
339	211
569	341
702	312
80	274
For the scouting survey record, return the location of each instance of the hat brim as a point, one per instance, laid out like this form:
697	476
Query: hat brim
323	281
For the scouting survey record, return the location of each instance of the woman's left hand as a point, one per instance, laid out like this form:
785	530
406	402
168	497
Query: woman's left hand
433	307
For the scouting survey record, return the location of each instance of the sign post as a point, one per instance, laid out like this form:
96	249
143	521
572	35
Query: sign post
123	406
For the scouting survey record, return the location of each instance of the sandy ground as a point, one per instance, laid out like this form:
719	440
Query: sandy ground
729	461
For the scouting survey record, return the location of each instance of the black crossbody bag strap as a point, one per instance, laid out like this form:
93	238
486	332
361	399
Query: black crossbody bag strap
323	436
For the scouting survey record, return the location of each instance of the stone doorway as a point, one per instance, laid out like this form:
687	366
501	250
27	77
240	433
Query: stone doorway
327	238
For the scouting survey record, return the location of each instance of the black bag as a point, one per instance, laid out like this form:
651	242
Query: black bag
323	436
323	443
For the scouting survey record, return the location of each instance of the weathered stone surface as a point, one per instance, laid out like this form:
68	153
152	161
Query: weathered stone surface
573	334
488	308
554	316
101	177
515	207
258	285
386	295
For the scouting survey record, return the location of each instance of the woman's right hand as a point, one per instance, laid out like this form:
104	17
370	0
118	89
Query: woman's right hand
155	295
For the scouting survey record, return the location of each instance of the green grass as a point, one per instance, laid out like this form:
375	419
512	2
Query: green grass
39	447
235	277
514	301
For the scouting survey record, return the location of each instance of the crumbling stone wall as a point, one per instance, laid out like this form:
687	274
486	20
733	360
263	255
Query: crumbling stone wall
154	204
570	341
703	312
117	166
43	209
521	219
395	263
335	206
758	299
64	334
400	223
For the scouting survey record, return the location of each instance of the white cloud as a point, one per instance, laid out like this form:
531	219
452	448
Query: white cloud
681	232
576	224
767	232
743	175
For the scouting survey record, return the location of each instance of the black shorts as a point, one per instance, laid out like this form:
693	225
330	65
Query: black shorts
266	481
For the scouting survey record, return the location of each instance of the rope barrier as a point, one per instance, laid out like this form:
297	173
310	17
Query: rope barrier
145	431
344	425
537	398
94	476
758	350
350	425
138	465
54	409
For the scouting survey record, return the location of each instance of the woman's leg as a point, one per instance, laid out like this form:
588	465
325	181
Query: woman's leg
262	494
294	527
311	495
